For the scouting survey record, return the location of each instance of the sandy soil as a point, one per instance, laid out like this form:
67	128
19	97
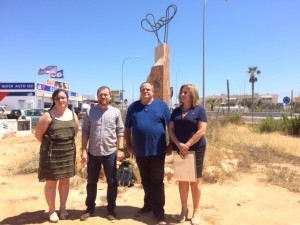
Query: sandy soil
245	200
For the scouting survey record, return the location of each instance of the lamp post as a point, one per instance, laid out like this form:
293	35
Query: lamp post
203	73
176	94
122	90
244	89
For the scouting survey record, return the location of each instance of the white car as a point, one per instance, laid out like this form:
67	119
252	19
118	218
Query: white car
4	111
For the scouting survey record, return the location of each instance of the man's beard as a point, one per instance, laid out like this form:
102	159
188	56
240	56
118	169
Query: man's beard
103	103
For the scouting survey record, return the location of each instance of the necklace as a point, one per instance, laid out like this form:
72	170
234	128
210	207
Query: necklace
184	113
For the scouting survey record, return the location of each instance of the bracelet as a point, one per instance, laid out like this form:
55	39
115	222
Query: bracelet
121	149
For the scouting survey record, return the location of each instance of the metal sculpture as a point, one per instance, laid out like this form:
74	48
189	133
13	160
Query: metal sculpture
162	22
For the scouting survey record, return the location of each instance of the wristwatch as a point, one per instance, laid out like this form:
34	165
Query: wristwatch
121	149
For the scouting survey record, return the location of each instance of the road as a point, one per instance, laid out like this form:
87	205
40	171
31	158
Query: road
257	116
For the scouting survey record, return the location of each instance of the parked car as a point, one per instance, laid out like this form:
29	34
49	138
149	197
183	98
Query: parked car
14	114
46	109
76	110
4	111
32	114
81	114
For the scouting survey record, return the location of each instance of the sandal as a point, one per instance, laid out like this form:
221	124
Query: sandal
63	213
183	216
193	222
53	218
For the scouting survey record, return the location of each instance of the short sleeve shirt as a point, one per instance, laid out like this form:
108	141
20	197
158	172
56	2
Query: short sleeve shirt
186	126
148	123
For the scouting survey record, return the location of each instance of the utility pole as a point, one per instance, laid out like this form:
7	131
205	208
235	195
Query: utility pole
228	95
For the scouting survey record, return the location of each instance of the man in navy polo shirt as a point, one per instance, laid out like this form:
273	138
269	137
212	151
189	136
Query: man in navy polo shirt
146	121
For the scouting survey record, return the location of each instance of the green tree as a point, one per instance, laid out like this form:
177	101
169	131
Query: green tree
253	71
259	104
212	102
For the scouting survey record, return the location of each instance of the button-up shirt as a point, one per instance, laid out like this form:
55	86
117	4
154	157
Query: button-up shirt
102	127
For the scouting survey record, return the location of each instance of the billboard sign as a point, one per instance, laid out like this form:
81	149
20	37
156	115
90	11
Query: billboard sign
116	95
59	84
17	86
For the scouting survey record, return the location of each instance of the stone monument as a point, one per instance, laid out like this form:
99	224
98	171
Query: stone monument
160	71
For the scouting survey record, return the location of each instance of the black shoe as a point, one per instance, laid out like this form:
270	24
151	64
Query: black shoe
87	214
161	220
143	211
111	216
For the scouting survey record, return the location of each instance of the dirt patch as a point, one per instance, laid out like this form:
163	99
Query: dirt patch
245	199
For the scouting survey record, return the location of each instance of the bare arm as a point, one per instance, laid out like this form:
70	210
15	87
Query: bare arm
84	155
120	153
169	148
183	148
129	145
198	135
42	126
120	142
77	123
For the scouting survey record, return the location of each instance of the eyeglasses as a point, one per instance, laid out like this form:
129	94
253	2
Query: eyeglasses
60	98
146	89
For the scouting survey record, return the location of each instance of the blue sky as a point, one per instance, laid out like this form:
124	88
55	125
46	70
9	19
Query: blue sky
90	40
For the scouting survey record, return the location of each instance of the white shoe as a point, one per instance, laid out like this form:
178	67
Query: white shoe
53	218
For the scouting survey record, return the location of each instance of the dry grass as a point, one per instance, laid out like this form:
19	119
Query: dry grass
253	149
284	177
231	149
245	135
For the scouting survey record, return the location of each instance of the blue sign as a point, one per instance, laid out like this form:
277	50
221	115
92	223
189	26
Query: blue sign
45	87
286	100
27	93
17	86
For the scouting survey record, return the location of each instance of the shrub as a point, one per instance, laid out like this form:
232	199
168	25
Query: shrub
269	125
213	130
236	119
290	126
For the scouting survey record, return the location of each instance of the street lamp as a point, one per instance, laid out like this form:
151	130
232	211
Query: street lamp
122	90
176	94
203	87
244	89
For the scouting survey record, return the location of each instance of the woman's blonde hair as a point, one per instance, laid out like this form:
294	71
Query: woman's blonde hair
193	92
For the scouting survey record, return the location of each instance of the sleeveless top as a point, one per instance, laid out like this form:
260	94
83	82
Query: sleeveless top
58	151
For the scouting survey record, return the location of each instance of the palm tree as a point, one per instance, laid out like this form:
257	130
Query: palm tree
212	102
252	71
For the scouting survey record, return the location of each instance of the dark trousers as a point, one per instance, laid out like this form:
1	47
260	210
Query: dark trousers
110	170
152	171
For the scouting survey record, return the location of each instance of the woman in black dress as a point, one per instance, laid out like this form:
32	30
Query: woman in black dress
56	130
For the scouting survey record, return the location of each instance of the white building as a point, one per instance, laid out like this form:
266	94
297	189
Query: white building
26	95
265	98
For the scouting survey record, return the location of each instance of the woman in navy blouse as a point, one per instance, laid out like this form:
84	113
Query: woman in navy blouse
187	129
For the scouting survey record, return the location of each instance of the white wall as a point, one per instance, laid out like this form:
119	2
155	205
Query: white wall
19	127
19	102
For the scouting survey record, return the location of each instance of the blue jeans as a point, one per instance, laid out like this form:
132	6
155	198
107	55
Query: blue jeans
152	171
110	170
